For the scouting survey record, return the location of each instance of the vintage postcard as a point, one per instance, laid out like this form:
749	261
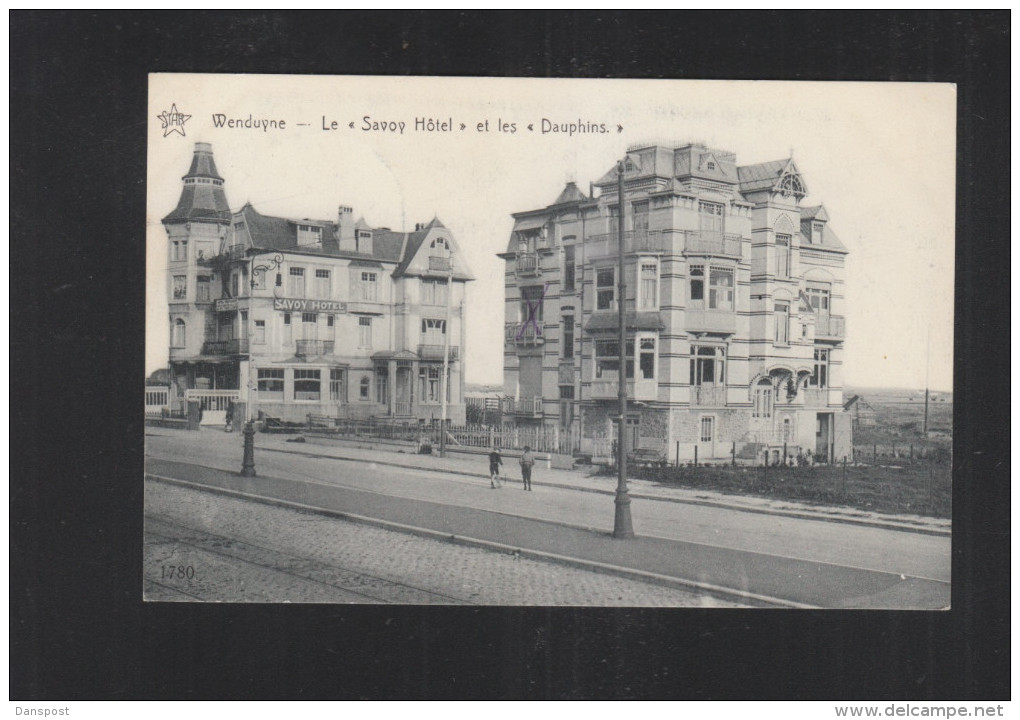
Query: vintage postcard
498	341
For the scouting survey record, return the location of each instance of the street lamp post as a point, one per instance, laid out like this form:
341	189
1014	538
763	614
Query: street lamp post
623	527
444	383
248	463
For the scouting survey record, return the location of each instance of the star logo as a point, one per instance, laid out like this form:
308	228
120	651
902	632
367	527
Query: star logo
173	121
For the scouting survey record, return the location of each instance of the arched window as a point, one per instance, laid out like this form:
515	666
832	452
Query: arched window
762	399
178	334
365	386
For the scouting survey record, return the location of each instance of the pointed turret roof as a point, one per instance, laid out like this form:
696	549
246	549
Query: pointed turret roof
202	197
570	194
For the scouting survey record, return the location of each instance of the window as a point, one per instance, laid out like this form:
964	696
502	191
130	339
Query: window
338	385
708	366
567	342
381	378
720	289
649	286
226	329
365	332
202	289
607	358
260	332
816	232
235	283
698	285
271	383
605	290
428	384
179	250
433	331
244	324
566	405
820	377
288	336
710	165
180	287
296	282
309	326
569	268
531	304
614	221
433	292
566	392
782	323
306	384
707	424
762	407
646	357
179	334
640	221
783	255
711	215
818	297
364	388
323	284
367	285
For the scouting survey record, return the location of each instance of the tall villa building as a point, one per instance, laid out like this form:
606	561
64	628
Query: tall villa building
734	312
298	317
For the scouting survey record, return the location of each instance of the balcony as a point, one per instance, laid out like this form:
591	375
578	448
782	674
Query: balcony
237	346
525	407
708	396
718	321
401	408
528	265
707	242
236	252
830	327
440	264
522	335
314	348
641	241
435	352
607	387
815	397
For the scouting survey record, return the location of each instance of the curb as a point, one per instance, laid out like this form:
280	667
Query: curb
590	565
796	514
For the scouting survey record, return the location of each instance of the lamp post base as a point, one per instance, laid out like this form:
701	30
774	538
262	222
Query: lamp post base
248	463
623	527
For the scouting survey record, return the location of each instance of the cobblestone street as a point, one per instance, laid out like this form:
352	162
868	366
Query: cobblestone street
204	546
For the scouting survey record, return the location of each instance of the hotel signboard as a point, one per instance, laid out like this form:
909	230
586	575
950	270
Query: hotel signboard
301	305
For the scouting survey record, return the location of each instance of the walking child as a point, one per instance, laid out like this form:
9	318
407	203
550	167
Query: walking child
494	462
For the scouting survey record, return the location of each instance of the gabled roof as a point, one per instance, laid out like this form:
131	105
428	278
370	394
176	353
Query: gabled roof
815	212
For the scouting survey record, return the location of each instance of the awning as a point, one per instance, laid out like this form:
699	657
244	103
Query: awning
530	223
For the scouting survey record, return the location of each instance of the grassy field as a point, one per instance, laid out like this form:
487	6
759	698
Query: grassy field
916	488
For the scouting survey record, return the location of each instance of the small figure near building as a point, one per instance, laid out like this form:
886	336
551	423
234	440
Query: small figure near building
494	462
527	462
229	425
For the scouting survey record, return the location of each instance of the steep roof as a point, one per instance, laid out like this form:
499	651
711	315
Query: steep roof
571	193
202	197
815	212
762	176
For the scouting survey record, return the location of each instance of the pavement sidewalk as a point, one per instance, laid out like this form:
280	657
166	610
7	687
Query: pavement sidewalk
582	479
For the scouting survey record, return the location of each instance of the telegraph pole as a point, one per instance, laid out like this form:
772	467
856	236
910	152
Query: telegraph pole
623	527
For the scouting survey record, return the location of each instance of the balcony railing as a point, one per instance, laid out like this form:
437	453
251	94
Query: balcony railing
402	408
708	396
522	334
830	326
236	346
528	265
441	264
435	352
700	242
527	406
815	397
236	252
313	348
607	387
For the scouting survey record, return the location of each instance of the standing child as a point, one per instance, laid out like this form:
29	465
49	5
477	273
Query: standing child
494	462
527	462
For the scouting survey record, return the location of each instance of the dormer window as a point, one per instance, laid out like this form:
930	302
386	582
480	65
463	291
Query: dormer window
710	165
363	241
816	232
309	234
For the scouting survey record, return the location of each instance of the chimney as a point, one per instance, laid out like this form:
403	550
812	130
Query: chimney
345	228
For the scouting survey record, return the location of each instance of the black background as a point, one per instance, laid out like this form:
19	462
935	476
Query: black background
78	130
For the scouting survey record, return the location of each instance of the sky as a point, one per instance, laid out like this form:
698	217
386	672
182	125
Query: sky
880	157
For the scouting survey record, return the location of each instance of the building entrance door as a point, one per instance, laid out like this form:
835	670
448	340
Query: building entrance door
706	436
823	437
